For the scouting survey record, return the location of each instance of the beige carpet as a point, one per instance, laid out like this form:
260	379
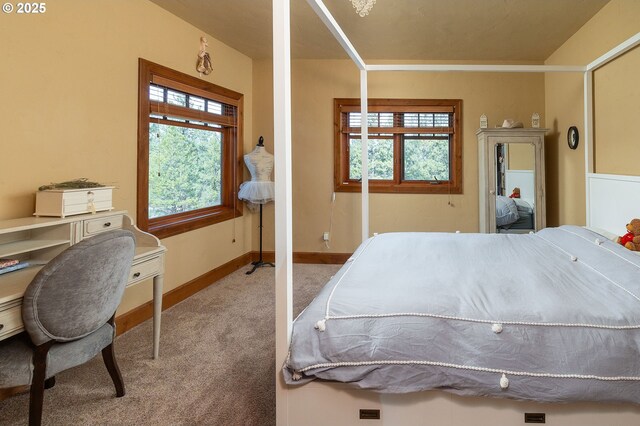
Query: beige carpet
216	365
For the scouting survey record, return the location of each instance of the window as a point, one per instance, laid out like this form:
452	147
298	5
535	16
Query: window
414	146
188	156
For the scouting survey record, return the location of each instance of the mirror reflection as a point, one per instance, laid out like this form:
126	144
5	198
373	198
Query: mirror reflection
515	188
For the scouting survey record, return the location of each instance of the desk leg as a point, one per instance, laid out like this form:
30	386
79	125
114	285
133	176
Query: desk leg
157	313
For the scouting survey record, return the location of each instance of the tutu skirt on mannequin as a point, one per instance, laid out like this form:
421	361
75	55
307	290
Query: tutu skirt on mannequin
257	192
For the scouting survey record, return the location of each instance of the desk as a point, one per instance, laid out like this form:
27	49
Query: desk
38	240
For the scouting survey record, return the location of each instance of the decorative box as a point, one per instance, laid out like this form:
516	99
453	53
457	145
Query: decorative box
68	202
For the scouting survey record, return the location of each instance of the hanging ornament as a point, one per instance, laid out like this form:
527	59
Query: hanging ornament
204	60
363	7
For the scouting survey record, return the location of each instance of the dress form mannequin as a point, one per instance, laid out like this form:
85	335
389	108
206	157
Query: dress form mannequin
260	189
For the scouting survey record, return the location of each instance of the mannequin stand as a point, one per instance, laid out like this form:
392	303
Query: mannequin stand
259	263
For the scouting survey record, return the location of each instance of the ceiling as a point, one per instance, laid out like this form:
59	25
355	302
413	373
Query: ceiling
476	30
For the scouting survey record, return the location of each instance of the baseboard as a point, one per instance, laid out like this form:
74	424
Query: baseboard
306	257
130	319
179	294
136	316
9	392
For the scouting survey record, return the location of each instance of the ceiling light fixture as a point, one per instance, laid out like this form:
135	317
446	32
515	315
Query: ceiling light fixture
363	6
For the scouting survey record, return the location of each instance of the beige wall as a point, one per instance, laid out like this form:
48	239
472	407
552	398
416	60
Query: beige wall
69	86
521	157
617	114
315	83
69	109
617	108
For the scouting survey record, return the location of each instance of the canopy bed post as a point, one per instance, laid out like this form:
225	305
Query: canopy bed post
588	136
364	122
326	17
283	206
588	121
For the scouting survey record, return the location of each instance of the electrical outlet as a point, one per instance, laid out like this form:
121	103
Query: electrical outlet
325	236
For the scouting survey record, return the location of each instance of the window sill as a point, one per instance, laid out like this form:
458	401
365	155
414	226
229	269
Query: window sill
174	225
402	188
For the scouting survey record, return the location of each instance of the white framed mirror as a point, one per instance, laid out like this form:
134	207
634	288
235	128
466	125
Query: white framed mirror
511	180
515	187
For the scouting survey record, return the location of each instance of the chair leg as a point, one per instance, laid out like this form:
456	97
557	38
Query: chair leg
109	357
36	396
50	382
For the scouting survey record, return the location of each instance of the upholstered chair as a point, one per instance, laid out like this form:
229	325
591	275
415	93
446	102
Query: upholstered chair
68	312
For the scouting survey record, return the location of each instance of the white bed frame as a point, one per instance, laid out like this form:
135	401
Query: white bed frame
334	403
612	200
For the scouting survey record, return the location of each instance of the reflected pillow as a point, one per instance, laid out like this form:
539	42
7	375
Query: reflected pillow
506	211
523	206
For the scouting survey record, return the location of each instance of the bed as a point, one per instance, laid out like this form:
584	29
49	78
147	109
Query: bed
322	402
514	214
427	322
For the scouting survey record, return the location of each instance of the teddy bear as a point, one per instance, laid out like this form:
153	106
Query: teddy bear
631	239
515	193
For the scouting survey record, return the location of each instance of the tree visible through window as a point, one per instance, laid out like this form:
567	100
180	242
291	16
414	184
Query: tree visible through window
188	151
413	146
185	169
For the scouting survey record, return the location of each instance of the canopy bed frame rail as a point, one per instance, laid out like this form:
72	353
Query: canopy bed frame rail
334	403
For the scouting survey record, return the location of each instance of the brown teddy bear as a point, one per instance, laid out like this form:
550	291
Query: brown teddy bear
631	239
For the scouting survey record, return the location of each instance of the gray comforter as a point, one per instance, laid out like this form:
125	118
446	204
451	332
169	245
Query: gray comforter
551	316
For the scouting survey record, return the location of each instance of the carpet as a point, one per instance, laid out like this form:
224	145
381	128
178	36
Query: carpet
216	365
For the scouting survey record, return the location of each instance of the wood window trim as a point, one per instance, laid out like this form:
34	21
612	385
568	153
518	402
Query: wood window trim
189	114
341	154
230	208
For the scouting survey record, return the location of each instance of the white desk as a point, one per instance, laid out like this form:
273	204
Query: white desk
38	240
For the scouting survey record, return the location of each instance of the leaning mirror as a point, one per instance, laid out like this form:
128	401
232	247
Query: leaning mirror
515	188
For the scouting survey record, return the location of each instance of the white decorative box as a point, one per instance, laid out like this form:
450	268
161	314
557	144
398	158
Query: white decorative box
68	202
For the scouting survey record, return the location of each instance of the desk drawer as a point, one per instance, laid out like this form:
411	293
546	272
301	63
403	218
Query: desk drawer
95	226
144	270
85	207
67	202
10	321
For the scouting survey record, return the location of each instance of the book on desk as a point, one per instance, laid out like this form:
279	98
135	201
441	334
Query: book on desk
5	263
13	267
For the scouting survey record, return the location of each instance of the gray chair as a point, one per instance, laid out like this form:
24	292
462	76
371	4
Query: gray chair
68	312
